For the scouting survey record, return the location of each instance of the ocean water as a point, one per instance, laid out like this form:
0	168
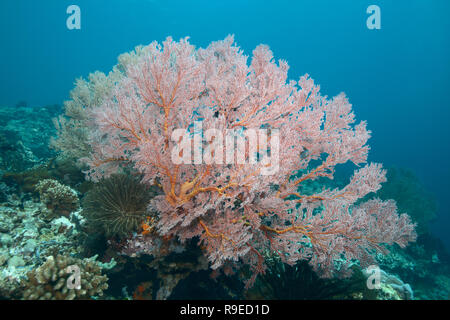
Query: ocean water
397	77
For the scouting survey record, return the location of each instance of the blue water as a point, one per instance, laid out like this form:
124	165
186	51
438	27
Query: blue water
398	78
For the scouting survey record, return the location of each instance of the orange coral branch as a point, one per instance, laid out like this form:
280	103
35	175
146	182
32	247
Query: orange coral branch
221	236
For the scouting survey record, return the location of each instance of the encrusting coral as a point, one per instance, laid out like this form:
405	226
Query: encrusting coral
243	207
49	281
59	199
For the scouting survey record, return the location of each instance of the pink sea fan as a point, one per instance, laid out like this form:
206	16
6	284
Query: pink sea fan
237	212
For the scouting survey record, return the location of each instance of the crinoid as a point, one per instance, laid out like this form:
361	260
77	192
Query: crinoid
117	205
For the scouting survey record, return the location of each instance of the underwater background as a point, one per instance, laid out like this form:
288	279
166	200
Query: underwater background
397	78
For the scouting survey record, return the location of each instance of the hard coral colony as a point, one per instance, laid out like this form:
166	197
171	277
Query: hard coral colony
236	211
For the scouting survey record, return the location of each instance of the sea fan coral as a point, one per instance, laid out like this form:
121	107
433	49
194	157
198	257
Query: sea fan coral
251	202
117	205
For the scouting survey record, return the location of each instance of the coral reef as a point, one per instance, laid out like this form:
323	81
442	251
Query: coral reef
4	192
15	156
26	239
425	265
126	119
159	230
24	136
59	199
59	168
49	281
391	287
